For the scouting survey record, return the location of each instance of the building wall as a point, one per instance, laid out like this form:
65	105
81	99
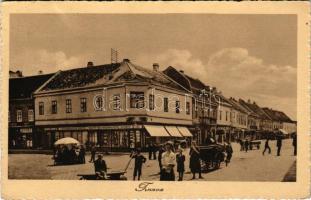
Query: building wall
109	115
289	127
223	115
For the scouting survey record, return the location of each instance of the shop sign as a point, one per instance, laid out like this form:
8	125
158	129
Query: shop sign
26	130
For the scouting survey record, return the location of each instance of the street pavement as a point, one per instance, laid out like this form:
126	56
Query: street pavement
244	166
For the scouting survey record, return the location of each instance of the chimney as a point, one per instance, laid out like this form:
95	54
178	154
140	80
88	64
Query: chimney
126	60
90	64
249	101
181	71
155	67
19	73
214	89
40	72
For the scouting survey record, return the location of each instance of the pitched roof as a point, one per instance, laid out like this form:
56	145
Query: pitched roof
24	87
79	77
258	111
277	115
237	105
247	107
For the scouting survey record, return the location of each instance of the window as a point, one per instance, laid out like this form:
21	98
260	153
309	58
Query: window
54	107
68	106
83	104
19	115
165	101
116	102
137	100
177	105
188	108
208	112
220	115
30	115
99	103
226	115
151	102
41	108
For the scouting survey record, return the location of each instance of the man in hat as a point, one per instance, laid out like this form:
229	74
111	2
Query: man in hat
139	160
279	144
100	167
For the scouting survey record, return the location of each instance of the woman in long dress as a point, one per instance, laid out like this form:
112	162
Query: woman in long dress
168	161
195	163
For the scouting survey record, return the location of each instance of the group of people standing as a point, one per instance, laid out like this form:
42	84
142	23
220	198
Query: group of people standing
168	158
69	154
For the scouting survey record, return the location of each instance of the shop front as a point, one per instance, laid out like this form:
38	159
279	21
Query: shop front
116	138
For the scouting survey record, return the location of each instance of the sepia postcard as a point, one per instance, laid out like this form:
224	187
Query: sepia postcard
150	100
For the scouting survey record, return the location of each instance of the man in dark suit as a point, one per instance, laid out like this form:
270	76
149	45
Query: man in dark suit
100	167
279	144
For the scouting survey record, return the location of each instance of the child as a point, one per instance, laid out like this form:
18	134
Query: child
180	159
139	160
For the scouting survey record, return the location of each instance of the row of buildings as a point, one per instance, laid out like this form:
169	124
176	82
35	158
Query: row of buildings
122	105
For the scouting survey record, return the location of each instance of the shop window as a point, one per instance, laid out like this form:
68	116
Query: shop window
177	105
54	107
165	102
30	115
151	102
41	108
137	100
19	116
188	108
68	106
117	102
83	104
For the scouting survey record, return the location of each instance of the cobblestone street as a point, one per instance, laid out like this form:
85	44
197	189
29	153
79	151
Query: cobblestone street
250	166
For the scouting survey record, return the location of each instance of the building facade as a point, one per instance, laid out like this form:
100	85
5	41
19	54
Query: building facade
22	131
204	103
115	106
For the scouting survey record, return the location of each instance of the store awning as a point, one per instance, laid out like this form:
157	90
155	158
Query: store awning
173	131
156	131
184	131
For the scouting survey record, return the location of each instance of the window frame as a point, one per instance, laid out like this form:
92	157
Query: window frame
165	104
68	106
32	118
54	107
19	116
116	102
41	108
83	104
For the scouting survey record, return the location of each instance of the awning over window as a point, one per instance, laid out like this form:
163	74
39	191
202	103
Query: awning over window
156	131
173	131
184	131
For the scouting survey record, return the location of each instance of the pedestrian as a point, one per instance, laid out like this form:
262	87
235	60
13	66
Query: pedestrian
246	145
82	154
139	160
241	144
149	151
295	143
168	162
195	163
93	152
180	160
279	145
100	167
229	152
154	151
267	147
161	150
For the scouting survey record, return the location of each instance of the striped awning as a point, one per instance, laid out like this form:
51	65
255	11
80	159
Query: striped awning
173	131
156	131
184	131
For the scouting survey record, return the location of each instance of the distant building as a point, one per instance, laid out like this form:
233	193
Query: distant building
22	132
281	120
204	103
238	119
115	106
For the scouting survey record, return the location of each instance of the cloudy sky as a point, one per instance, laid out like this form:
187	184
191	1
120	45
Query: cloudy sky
248	56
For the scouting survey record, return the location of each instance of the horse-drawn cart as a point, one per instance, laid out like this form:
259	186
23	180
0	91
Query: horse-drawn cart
212	155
